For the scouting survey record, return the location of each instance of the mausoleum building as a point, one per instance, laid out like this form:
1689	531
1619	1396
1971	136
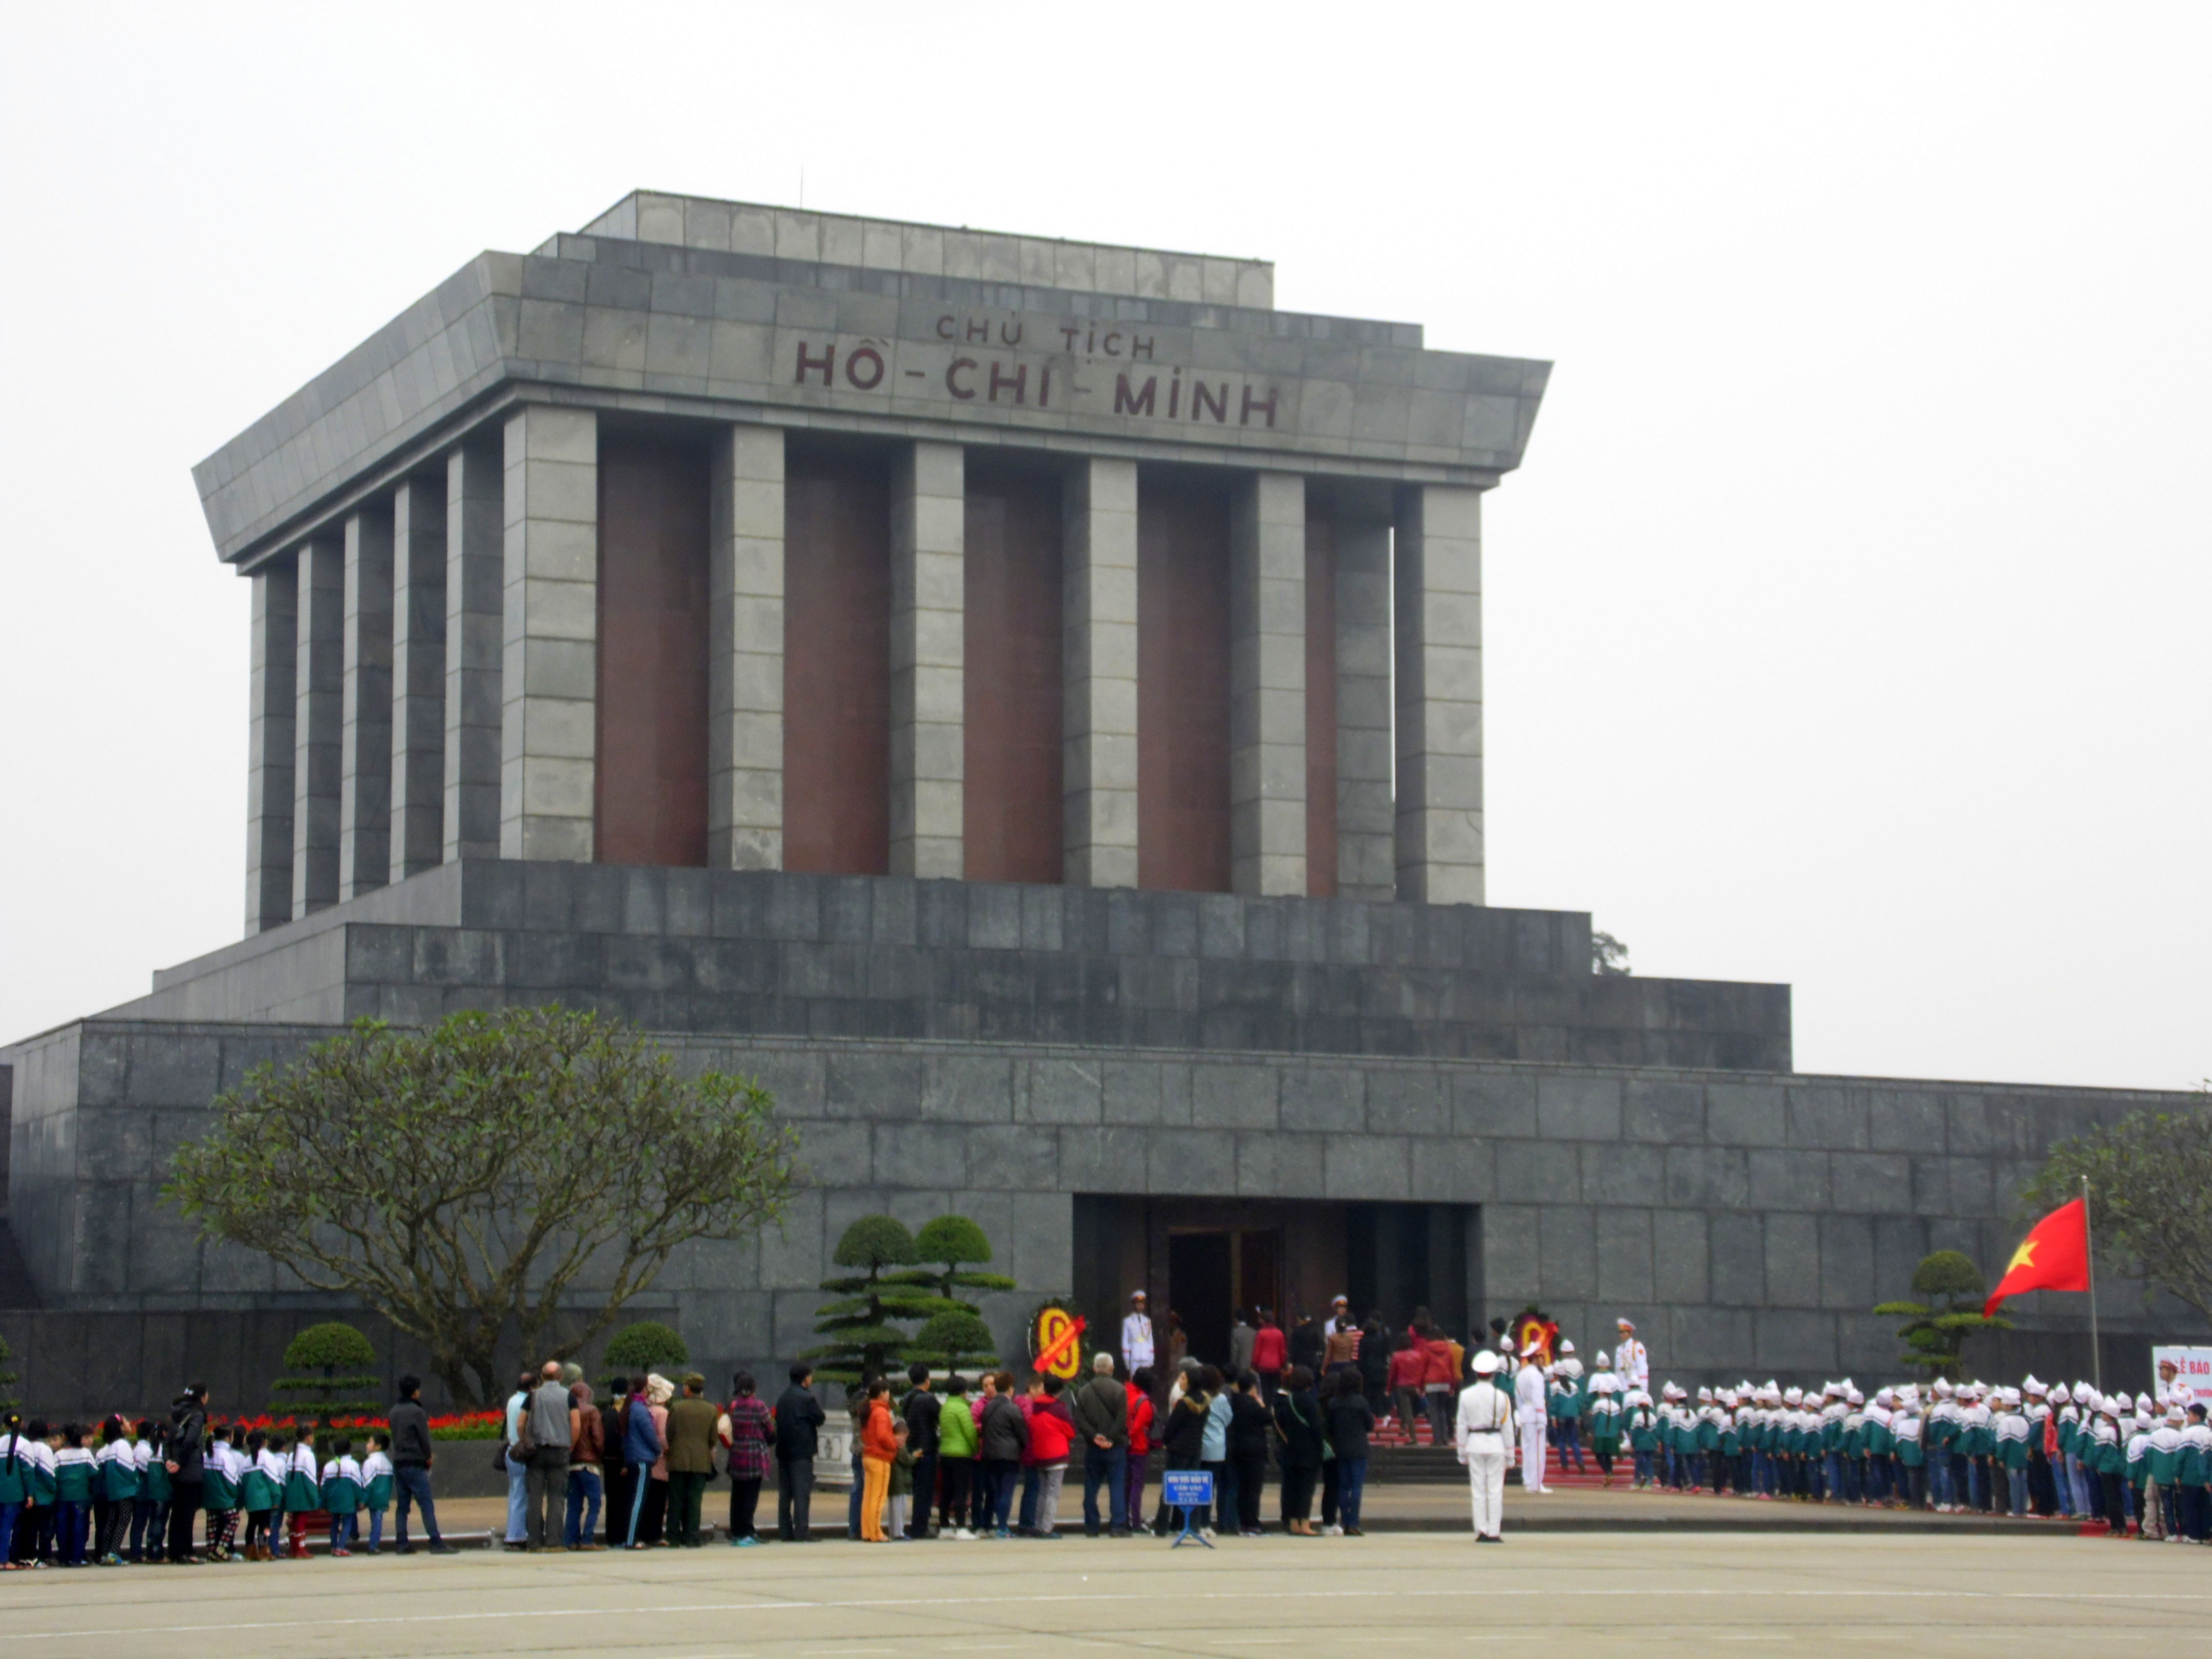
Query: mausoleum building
1022	699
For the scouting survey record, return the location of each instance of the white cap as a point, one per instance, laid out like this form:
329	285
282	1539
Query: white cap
2060	1397
1602	1358
1855	1398
1793	1396
1565	1346
1625	1324
2030	1386
1485	1363
1705	1393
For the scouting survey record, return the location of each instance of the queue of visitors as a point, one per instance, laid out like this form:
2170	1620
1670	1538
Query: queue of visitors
990	1457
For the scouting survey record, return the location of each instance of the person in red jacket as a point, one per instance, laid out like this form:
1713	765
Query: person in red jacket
1271	1353
1407	1366
1052	1431
1140	1442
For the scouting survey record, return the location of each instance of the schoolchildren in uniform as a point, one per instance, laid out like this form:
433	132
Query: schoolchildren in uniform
1908	1431
303	1494
2161	1519
15	1489
35	1532
2010	1449
1641	1421
149	1515
221	1471
1604	1417
376	1486
1566	1398
341	1496
115	1490
74	1471
261	1494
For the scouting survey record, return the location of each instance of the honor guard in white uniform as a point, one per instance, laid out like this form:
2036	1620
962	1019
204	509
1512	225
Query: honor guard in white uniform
1137	1334
1484	1436
1631	1364
1531	1407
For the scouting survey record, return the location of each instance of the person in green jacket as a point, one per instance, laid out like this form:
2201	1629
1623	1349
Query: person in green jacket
75	1470
1642	1422
15	1467
955	1455
1564	1397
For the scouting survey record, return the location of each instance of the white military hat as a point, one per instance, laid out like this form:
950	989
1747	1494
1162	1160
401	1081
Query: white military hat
1485	1363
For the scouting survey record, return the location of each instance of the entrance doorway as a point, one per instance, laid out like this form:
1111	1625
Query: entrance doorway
1214	1274
1204	1258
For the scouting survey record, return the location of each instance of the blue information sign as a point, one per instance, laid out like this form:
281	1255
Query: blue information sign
1190	1491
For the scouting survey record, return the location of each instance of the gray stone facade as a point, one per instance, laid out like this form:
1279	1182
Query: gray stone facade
1747	1220
1086	1068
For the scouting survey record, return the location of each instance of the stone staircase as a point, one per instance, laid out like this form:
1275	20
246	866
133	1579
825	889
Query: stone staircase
1395	1460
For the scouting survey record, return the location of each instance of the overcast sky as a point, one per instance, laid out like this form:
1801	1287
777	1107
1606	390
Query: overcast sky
1848	623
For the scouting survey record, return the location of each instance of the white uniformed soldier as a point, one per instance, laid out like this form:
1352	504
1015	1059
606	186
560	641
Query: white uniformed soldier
1484	1436
1531	1407
1631	1364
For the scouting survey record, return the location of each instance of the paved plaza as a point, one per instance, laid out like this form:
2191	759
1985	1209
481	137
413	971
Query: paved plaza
1618	1593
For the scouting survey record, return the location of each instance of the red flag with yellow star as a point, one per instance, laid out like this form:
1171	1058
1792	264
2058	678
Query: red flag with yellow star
2054	1256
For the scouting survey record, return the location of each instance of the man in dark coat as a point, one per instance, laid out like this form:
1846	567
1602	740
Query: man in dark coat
798	1420
922	1412
411	1457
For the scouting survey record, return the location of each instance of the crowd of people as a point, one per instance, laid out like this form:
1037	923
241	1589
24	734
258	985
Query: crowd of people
990	1457
117	1491
2135	1463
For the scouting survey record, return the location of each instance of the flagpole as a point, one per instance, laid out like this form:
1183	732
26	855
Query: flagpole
2089	1250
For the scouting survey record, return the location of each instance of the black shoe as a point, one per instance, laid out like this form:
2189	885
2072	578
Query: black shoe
405	1549
1118	1532
439	1546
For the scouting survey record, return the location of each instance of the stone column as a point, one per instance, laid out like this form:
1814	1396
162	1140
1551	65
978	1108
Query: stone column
1268	685
549	677
318	683
418	676
365	733
1439	653
1098	787
1366	828
474	633
744	652
929	536
269	748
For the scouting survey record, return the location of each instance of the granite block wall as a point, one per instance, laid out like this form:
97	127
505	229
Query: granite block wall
688	950
1747	1222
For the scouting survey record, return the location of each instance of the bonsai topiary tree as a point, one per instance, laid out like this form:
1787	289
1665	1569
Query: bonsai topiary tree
946	1244
958	1341
645	1345
331	1377
954	1335
863	1340
1935	1332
